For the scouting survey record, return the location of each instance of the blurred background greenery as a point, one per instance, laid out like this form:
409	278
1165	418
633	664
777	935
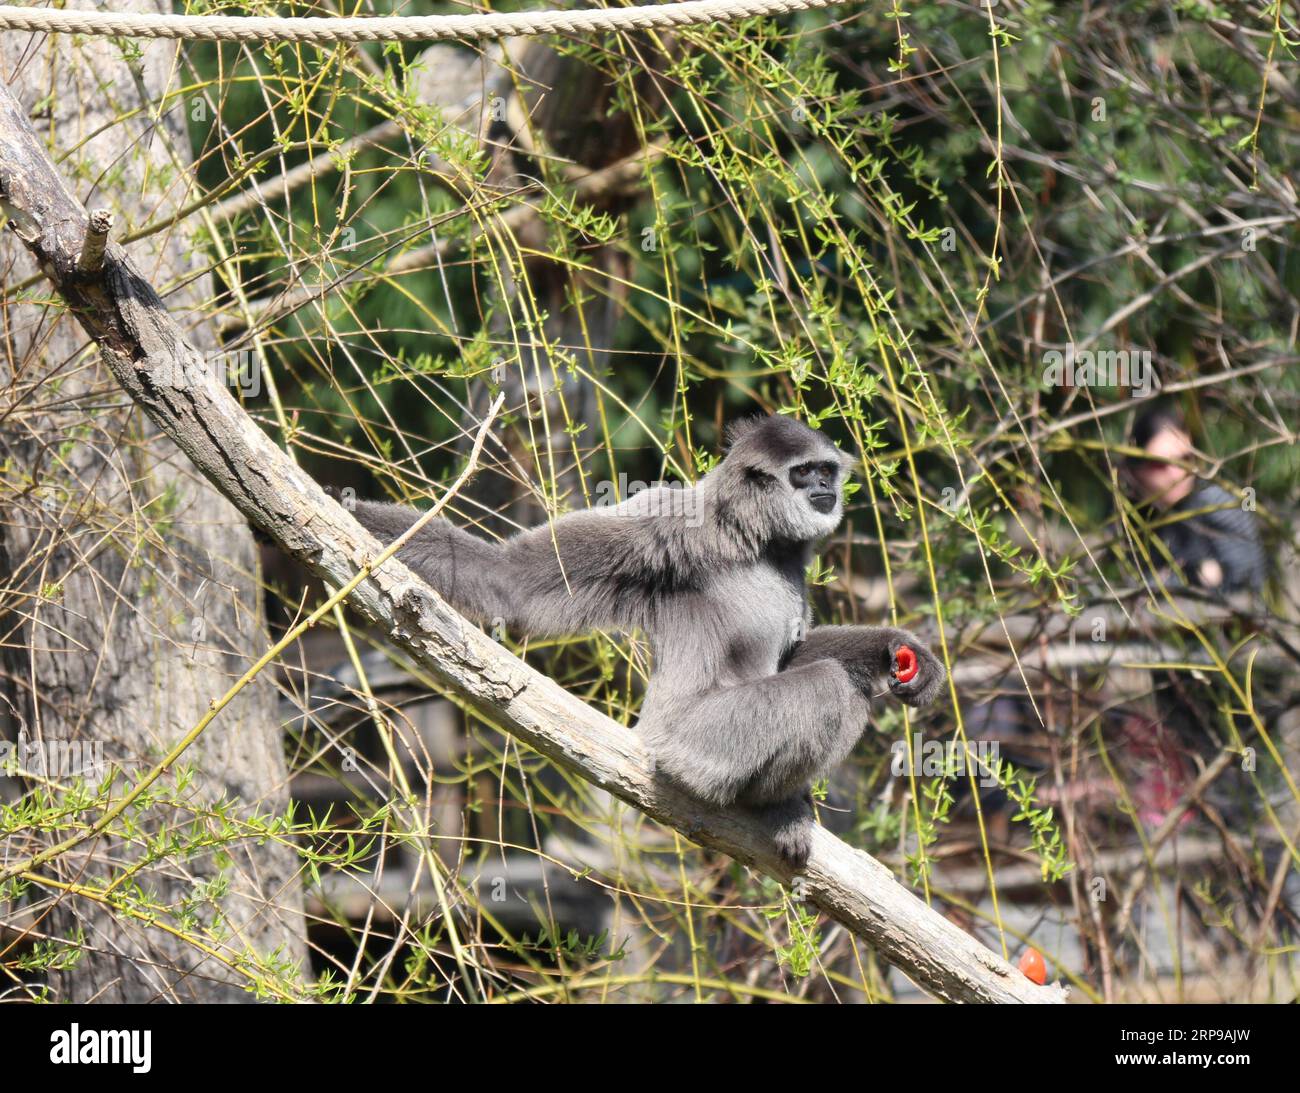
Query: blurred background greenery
883	221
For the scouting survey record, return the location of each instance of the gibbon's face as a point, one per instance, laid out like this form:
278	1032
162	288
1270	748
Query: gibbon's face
818	481
793	478
815	478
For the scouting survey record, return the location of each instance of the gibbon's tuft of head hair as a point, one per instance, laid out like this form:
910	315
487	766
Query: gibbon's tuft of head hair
775	442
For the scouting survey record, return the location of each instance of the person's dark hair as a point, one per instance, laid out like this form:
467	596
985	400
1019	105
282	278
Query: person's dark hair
1155	419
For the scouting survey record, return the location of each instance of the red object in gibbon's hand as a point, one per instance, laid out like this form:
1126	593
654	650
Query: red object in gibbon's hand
905	664
1033	966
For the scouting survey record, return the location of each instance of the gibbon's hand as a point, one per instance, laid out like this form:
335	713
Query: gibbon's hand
914	673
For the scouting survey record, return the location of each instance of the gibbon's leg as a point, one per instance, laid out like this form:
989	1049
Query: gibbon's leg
763	741
759	745
791	824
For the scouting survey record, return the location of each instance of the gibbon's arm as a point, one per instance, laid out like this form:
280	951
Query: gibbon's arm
585	570
764	741
761	742
879	659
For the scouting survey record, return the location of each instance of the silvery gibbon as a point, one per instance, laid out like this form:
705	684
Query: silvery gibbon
746	704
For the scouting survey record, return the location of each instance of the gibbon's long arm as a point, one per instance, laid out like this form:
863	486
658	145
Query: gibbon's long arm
583	571
762	742
879	659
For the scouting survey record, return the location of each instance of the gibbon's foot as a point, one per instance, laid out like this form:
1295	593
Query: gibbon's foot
791	823
915	673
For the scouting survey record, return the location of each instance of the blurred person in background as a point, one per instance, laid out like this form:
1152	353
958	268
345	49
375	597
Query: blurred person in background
1214	543
1212	539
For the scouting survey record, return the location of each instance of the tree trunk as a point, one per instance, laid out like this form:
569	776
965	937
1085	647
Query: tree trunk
132	597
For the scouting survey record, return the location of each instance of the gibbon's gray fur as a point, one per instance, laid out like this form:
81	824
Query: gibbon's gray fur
746	705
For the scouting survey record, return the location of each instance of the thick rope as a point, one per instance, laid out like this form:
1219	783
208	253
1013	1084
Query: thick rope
433	28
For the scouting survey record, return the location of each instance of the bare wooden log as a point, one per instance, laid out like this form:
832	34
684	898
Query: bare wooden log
148	354
1061	657
1024	880
259	195
1209	613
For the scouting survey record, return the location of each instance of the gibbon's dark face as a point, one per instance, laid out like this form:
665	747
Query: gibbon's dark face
794	477
819	480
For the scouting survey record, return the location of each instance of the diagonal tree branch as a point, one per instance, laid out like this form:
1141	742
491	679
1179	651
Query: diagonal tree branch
148	354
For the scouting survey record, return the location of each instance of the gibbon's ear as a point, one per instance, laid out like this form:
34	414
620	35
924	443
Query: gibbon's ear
756	476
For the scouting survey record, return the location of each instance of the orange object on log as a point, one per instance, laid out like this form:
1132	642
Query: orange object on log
1033	966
